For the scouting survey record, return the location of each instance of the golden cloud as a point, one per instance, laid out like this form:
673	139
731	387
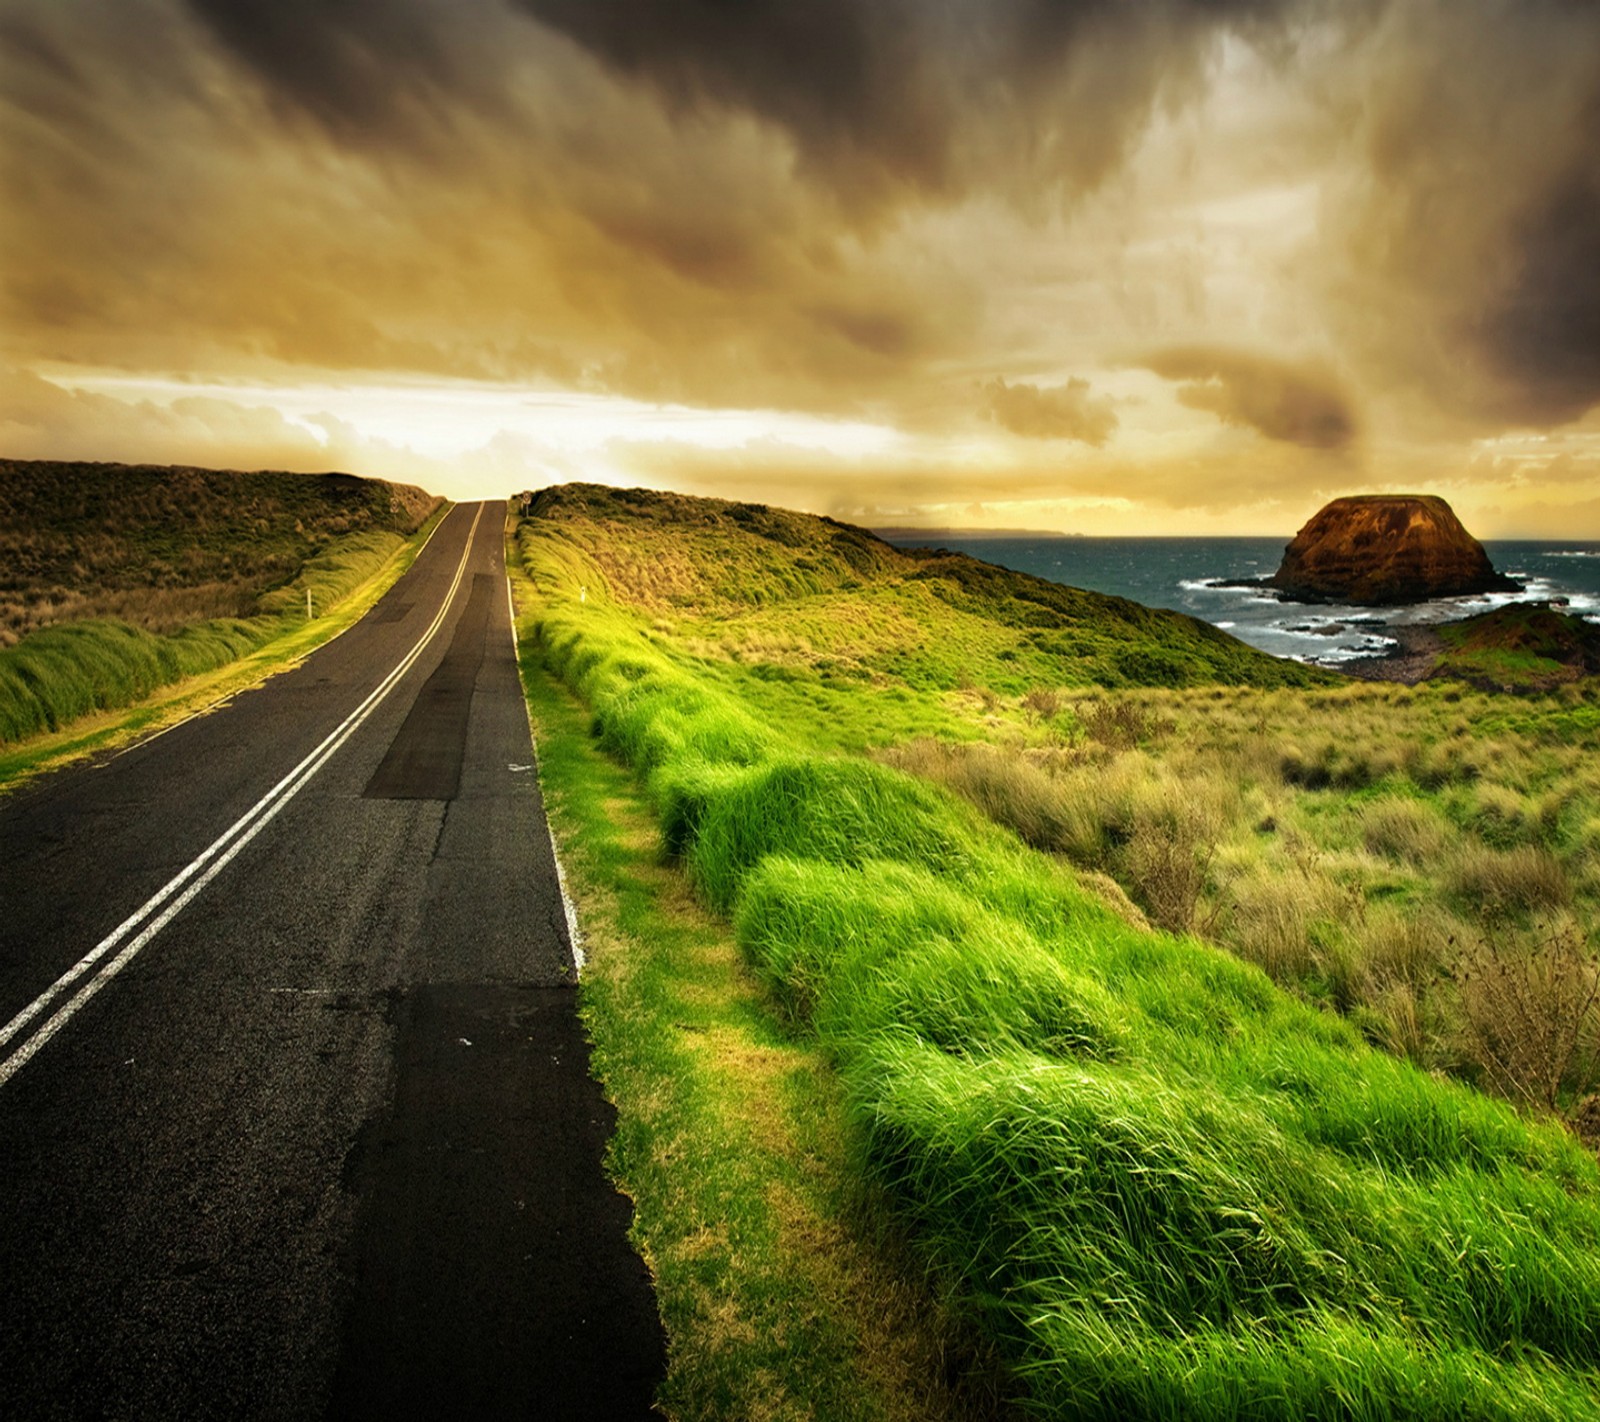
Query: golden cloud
1298	404
1069	411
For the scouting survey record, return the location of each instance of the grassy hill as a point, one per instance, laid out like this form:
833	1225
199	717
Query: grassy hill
982	841
1530	647
161	546
823	602
118	579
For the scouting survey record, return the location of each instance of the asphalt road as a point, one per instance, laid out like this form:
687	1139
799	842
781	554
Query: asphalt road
313	1134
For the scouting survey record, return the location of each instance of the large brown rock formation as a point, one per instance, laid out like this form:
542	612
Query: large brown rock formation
1385	549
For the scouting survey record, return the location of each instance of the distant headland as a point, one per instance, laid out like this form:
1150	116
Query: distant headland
929	537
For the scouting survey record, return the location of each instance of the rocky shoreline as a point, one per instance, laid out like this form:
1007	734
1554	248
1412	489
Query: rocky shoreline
1409	661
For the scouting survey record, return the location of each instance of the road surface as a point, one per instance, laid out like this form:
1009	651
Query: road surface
295	1112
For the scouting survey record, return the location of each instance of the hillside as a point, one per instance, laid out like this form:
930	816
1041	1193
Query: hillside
162	546
819	601
116	580
1532	647
1165	1022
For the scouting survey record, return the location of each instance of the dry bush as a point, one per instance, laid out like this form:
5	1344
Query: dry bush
1408	948
1531	1012
1042	704
1395	1019
1406	831
1269	916
1500	816
1166	862
1499	883
1155	832
1340	762
1010	790
1434	765
1587	840
1121	724
1113	896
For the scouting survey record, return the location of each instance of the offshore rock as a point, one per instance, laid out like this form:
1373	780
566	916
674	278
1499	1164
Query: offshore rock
1382	549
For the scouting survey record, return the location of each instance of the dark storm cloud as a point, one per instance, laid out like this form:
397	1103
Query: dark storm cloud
1544	330
719	201
877	94
369	71
1298	404
1472	238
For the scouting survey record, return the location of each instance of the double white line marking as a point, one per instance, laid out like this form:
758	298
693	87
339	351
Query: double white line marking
174	896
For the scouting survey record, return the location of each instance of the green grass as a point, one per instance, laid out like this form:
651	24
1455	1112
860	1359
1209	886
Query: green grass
780	1286
96	685
155	545
1162	1186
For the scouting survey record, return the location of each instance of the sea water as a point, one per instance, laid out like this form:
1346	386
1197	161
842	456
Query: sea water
1187	575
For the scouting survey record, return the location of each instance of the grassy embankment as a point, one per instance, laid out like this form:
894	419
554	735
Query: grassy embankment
1159	1184
123	581
781	1296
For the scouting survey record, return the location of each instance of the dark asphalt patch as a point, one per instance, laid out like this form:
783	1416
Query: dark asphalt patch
389	610
424	760
491	1269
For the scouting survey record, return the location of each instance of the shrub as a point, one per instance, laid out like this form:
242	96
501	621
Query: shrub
1042	704
1405	830
1497	883
1269	917
1121	724
1531	1006
1500	816
1167	860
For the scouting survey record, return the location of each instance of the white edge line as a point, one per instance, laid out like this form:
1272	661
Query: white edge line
241	832
570	909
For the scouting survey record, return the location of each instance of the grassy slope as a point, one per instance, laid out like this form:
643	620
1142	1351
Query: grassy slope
776	1299
158	544
1162	1186
1527	648
163	546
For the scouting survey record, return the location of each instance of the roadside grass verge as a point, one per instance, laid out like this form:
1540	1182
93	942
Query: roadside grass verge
71	690
1161	1185
781	1286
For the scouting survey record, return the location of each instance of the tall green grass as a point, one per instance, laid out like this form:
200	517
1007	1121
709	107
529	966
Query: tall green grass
59	674
1164	1186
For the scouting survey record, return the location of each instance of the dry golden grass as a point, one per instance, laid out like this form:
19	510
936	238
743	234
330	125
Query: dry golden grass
1357	844
1532	1010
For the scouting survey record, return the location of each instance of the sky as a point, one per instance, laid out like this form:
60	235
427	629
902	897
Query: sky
1097	266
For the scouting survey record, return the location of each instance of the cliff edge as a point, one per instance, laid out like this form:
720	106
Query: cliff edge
1379	549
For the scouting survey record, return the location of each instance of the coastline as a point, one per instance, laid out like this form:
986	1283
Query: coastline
1409	661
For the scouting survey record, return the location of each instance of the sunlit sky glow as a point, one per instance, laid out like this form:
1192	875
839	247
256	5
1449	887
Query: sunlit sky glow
1068	264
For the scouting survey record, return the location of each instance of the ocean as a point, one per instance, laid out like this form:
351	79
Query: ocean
1180	573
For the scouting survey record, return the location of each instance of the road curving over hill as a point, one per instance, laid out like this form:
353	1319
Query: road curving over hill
295	1109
